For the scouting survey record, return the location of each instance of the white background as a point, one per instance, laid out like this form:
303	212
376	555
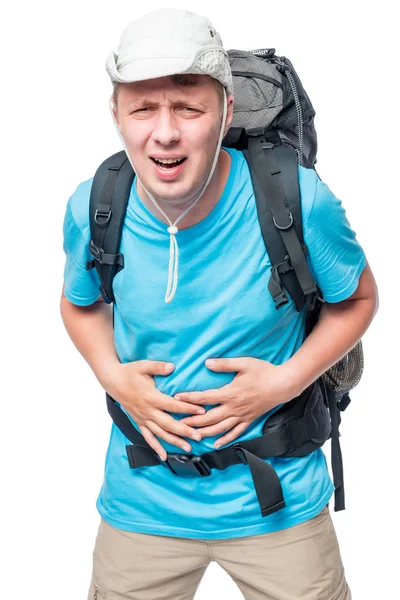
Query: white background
55	130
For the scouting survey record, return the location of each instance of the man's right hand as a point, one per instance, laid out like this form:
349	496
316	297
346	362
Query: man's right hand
133	386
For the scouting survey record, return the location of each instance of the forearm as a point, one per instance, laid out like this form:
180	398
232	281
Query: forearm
91	330
339	328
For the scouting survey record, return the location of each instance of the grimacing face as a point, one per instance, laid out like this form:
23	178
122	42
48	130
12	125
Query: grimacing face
171	133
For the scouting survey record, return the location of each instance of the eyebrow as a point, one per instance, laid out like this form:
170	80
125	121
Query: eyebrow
148	102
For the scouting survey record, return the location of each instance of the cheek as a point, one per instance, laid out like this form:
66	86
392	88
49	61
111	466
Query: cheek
135	136
201	138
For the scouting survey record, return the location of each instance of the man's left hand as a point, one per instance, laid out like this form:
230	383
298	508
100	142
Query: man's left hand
258	387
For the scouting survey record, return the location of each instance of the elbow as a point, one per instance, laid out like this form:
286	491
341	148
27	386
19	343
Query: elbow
63	305
376	303
374	296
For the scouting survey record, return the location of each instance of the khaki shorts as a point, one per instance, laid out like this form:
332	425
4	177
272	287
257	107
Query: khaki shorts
302	562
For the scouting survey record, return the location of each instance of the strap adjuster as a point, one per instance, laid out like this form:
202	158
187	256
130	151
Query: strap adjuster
281	299
187	465
96	252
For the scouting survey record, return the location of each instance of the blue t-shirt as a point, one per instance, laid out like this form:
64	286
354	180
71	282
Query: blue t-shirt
222	308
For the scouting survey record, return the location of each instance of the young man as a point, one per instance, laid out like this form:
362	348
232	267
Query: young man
194	288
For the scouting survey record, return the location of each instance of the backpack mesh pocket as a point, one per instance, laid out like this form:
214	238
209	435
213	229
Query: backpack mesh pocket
346	374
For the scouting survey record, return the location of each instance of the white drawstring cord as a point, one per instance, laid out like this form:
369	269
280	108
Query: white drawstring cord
173	269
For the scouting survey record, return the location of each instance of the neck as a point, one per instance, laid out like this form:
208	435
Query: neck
202	208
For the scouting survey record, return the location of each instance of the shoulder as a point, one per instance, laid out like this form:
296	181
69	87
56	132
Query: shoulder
308	185
321	208
78	206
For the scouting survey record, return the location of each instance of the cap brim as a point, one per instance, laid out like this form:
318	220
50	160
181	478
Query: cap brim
149	68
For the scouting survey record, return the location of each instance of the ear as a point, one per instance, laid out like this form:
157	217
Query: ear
115	113
229	113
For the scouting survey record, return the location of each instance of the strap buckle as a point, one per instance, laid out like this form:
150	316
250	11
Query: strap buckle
96	252
281	299
187	465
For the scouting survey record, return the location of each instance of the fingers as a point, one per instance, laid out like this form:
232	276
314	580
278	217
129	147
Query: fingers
168	437
154	367
171	425
219	428
214	415
227	365
149	433
206	397
162	401
167	403
184	407
153	442
232	435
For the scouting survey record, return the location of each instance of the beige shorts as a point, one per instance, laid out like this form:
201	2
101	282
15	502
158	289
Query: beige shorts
302	562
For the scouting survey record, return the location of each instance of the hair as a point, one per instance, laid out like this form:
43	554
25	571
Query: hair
181	80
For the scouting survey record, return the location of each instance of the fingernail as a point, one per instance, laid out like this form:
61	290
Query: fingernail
168	367
210	362
186	447
177	397
196	436
200	411
217	445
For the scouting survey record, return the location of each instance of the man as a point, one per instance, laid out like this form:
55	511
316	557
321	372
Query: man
198	356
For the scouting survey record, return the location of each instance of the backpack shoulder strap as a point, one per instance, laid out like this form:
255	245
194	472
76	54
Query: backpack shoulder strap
109	197
274	172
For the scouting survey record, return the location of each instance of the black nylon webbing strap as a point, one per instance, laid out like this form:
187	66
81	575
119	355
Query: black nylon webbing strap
267	172
276	442
275	282
266	483
272	240
105	259
100	226
271	444
141	456
108	202
123	423
336	452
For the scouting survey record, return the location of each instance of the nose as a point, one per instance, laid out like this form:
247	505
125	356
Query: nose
166	131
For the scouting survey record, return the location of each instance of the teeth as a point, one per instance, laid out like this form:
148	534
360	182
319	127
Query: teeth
168	161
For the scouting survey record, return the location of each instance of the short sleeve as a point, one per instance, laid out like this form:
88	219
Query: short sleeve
81	285
335	257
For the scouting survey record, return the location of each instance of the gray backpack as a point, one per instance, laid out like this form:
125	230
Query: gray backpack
271	102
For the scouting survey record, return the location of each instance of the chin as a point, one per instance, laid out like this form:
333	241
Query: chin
170	191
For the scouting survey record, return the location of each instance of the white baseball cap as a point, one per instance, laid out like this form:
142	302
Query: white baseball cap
169	42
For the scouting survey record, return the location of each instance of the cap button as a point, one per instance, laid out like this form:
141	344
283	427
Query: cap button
172	230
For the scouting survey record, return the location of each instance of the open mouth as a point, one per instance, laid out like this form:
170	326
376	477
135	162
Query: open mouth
168	163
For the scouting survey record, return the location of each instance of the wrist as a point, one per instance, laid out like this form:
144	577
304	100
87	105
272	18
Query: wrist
295	383
107	375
